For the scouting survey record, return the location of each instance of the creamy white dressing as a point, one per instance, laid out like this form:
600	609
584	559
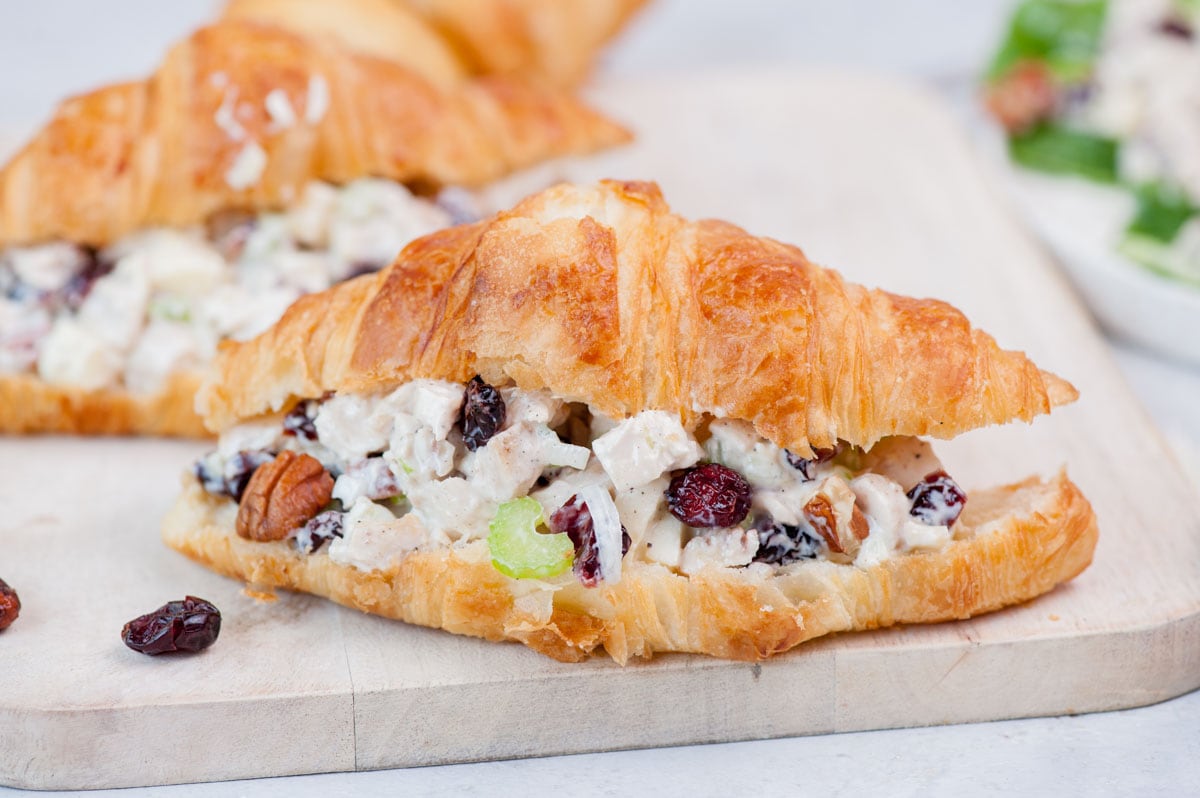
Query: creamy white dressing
172	295
726	548
401	455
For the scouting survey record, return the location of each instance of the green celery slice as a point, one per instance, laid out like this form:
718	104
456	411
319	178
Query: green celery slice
519	550
1059	150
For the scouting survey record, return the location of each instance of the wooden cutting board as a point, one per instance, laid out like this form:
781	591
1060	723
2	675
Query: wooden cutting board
870	176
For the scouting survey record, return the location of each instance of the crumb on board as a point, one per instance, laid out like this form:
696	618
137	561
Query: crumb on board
263	594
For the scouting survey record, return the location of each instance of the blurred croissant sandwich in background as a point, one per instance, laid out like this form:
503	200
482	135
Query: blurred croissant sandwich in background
148	221
590	423
553	42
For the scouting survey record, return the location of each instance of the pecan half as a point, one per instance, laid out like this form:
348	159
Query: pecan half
283	495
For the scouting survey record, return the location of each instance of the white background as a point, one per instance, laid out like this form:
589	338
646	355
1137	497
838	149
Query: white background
51	48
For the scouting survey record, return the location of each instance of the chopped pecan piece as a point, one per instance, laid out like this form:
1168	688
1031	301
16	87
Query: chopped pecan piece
833	515
283	495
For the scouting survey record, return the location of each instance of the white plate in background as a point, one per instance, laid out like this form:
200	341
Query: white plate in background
1082	222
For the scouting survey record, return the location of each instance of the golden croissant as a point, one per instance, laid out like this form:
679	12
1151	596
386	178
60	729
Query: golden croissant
299	154
590	423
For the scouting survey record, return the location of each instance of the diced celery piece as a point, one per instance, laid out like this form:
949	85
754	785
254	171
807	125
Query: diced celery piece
169	308
519	550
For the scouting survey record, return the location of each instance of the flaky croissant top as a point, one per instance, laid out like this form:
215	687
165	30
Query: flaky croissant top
243	114
602	295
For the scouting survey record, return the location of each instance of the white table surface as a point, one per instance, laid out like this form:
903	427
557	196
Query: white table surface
1147	751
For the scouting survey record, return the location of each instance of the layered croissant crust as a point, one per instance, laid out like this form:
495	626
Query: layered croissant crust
601	295
244	115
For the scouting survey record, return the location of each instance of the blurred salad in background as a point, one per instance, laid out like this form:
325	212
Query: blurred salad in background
1109	90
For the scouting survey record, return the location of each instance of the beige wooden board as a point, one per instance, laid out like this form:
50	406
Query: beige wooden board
872	177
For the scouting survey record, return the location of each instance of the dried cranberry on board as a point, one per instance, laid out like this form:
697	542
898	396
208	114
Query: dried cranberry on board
575	519
177	626
709	495
10	605
937	500
482	413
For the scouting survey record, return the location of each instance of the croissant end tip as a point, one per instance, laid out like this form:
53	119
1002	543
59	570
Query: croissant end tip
1059	391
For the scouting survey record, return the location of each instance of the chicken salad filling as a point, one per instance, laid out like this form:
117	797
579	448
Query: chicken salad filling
159	301
552	487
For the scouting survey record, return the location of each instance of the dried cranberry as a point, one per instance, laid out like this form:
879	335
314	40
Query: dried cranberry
80	285
782	544
360	267
211	479
240	468
808	468
575	519
319	530
231	479
10	605
1177	28
189	625
937	500
709	495
377	478
482	413
299	422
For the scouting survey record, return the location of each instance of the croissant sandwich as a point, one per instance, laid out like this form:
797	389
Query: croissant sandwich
588	422
148	221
